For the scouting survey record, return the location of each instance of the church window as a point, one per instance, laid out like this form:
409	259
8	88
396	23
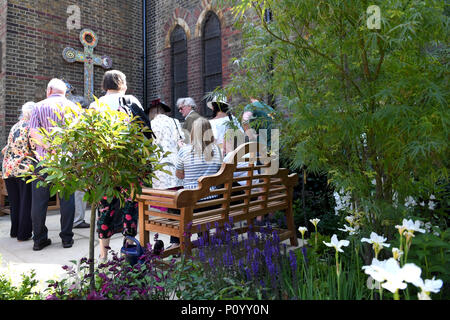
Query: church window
212	57
178	43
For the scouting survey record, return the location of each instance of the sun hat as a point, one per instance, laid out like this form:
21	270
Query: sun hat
159	102
218	99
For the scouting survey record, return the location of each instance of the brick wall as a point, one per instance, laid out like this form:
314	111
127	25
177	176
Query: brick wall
3	9
163	16
33	34
36	34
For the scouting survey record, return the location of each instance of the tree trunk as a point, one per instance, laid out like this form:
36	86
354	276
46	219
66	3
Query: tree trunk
91	245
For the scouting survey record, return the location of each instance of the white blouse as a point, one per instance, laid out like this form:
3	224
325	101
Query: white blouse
221	125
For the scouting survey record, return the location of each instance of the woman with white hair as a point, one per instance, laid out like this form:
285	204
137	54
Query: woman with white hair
16	162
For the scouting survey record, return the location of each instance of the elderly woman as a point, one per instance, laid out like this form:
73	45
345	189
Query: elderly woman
16	162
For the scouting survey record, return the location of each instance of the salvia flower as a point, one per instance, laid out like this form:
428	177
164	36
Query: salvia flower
292	261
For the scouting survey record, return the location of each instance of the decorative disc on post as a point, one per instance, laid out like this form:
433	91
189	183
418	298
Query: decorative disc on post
69	54
88	38
106	62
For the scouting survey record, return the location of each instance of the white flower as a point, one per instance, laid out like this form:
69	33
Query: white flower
397	253
430	228
350	219
314	221
336	243
410	225
348	229
302	230
394	276
376	239
423	296
429	285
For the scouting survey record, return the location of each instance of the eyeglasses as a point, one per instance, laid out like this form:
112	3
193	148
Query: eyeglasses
180	108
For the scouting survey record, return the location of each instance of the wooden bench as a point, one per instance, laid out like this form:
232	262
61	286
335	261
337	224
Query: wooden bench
265	192
53	204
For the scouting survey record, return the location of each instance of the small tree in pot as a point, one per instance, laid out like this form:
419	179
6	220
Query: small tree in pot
97	152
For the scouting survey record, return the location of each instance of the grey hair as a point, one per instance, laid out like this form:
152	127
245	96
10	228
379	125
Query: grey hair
27	108
57	85
188	101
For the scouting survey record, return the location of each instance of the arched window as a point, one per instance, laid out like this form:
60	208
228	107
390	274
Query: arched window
178	44
212	56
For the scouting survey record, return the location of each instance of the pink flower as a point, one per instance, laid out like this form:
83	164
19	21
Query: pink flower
104	227
128	217
112	213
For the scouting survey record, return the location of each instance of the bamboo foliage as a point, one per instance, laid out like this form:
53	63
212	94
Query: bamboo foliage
366	106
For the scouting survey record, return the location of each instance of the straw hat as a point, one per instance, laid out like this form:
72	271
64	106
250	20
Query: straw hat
217	100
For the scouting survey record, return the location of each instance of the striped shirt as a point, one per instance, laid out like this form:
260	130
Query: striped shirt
195	167
46	110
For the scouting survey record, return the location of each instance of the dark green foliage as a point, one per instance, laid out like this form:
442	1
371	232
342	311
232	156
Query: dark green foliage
366	107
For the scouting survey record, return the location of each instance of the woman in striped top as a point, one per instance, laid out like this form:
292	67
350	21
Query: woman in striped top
200	158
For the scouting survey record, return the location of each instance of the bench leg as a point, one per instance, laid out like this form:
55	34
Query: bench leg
143	234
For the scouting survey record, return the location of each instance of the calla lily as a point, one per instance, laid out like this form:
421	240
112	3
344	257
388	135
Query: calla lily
314	221
336	243
302	230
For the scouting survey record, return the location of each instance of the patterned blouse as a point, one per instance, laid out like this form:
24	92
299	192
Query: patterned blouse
167	131
15	161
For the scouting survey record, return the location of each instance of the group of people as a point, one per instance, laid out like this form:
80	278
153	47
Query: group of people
194	148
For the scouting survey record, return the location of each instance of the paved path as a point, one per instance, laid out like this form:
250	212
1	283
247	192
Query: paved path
17	257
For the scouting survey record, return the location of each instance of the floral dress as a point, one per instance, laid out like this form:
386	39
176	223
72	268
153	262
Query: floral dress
15	161
112	219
